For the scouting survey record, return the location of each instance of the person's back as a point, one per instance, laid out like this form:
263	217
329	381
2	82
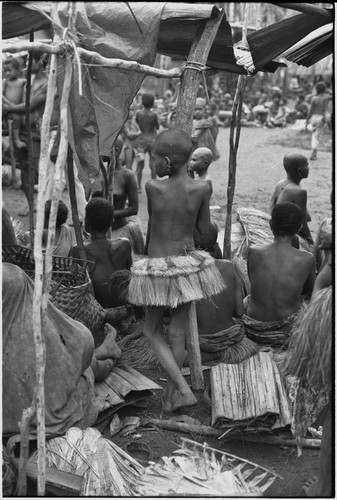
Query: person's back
146	118
289	190
279	274
318	104
217	313
108	256
168	237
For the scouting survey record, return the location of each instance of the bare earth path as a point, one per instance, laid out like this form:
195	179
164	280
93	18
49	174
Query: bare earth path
259	168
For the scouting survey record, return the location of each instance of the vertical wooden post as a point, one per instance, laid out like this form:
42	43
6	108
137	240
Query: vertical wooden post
197	59
73	202
31	171
233	147
39	338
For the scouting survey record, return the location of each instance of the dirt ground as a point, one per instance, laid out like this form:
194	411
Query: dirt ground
259	168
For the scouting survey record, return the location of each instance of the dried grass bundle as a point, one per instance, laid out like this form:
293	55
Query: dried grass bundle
310	348
256	228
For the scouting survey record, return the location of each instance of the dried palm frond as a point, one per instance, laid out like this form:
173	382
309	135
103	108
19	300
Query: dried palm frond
310	348
198	470
106	468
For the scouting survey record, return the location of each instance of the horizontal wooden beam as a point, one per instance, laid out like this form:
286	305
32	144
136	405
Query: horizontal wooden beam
306	8
93	58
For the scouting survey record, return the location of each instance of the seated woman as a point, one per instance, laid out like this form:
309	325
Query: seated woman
125	200
63	233
72	364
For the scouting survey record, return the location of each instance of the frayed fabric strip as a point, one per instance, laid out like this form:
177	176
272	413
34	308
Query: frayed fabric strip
174	280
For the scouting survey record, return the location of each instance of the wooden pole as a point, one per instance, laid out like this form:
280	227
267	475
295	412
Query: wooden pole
31	171
90	57
39	339
235	123
200	48
73	202
197	59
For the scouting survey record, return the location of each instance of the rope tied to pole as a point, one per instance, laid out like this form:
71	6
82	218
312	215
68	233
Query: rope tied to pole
201	68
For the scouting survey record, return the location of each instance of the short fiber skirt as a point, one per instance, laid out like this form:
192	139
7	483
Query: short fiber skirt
174	280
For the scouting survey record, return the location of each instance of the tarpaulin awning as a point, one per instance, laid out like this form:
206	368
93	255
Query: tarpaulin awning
270	42
313	47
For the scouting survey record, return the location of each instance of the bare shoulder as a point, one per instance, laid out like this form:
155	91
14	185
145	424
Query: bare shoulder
306	256
153	185
121	243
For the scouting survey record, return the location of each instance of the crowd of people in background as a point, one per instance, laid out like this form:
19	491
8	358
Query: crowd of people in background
151	113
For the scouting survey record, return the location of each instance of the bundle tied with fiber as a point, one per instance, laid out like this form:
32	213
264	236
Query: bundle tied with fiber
255	230
310	348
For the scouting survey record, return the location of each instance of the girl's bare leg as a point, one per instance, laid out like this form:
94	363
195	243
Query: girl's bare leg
153	329
140	168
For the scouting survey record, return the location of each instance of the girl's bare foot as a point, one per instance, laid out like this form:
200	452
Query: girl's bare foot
181	399
102	368
167	397
310	488
109	347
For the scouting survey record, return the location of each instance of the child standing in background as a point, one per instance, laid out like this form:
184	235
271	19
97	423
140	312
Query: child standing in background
12	93
202	129
149	124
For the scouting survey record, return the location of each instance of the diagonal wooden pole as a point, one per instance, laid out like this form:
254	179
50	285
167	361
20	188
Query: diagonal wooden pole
196	62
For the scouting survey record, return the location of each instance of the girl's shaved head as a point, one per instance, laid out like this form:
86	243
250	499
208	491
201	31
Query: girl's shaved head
175	144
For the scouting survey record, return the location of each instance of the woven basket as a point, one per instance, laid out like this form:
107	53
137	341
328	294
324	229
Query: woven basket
71	288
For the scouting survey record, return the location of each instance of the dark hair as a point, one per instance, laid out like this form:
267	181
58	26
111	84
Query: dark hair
62	213
147	100
206	241
286	219
320	87
97	194
13	61
99	214
175	144
293	161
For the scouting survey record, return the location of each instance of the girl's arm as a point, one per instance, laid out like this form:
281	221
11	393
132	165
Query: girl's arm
132	194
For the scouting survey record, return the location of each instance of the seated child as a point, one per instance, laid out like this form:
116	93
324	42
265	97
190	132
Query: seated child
208	241
217	325
109	256
200	161
277	114
280	275
201	131
63	234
